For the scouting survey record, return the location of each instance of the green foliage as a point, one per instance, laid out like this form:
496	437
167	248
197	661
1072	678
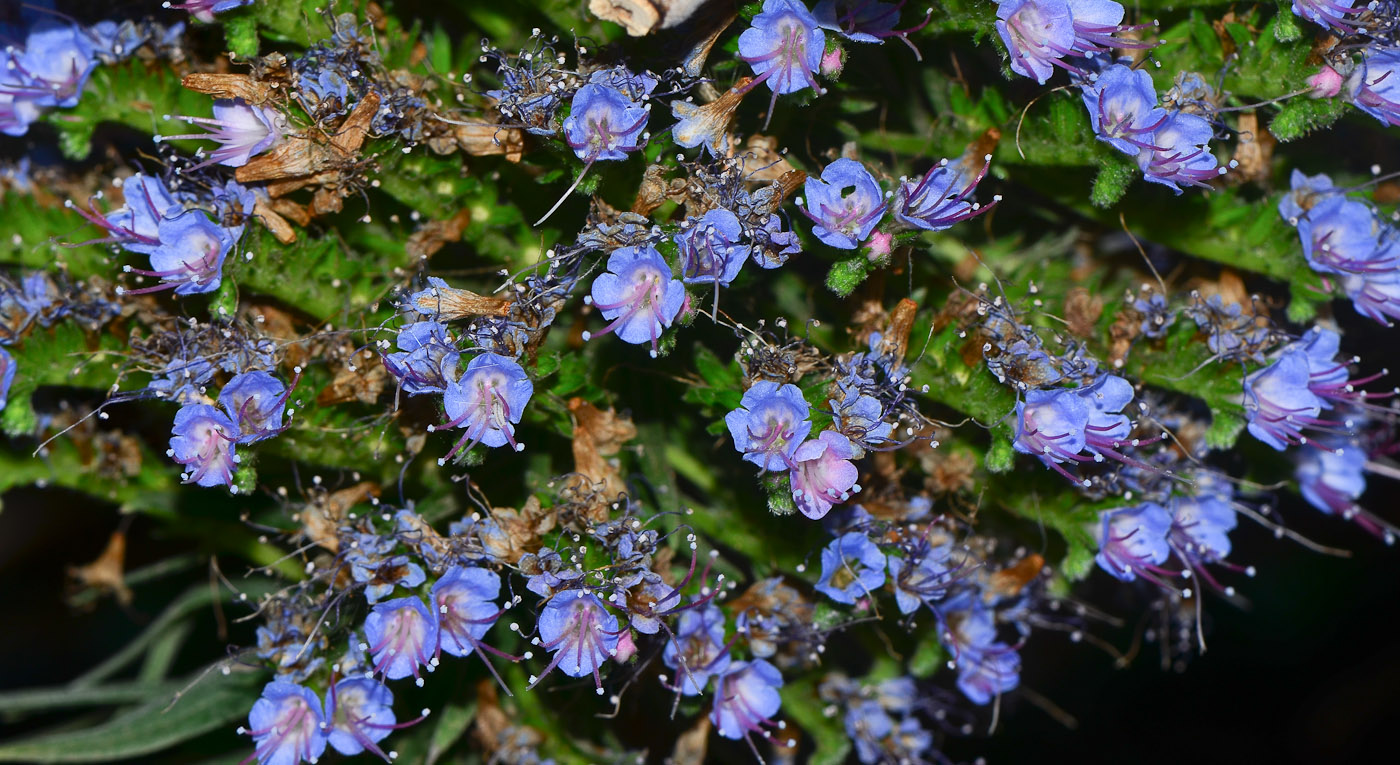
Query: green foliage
1112	182
1302	116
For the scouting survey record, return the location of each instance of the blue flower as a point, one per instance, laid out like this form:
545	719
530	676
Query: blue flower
852	568
1157	315
240	129
1332	479
697	649
1374	87
773	245
712	249
326	95
427	360
1305	194
769	425
581	633
868	725
1202	521
1330	13
465	598
922	576
189	256
867	21
860	418
359	713
204	10
604	124
746	698
287	725
784	46
52	67
147	202
202	440
1179	152
638	295
1278	403
987	667
1133	541
1342	236
843	220
1123	109
942	196
488	401
401	636
822	473
254	401
7	376
383	575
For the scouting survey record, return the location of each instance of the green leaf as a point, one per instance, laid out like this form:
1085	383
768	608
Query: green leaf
1112	182
213	702
241	34
928	658
1301	116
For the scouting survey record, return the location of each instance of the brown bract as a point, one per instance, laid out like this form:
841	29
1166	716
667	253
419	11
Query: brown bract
598	435
219	85
105	573
361	380
692	745
1009	581
434	235
1082	311
326	512
642	17
1254	152
523	530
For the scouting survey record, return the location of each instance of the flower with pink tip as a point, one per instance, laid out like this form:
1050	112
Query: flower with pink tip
822	473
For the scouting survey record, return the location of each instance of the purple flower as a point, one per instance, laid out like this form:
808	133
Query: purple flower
922	576
1332	478
941	197
1374	87
1058	425
580	631
1341	236
147	202
852	568
7	376
52	67
401	636
189	255
860	418
427	360
867	21
383	575
711	248
1376	296
1306	193
638	295
1037	34
746	699
488	401
241	130
286	725
697	649
202	440
603	123
254	400
1179	152
1133	541
1201	524
204	10
1123	108
843	220
769	425
987	667
465	598
325	95
1278	403
822	473
1330	13
360	713
784	46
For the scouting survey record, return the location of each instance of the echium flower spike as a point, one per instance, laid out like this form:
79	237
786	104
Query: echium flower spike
868	21
784	46
360	714
488	401
637	295
401	635
202	440
770	424
843	220
188	256
942	196
240	129
605	124
746	700
287	725
465	598
581	632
